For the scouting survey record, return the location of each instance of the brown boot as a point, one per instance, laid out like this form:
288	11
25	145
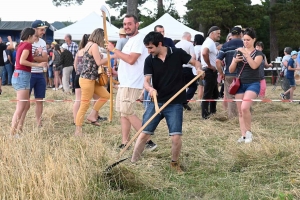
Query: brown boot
176	167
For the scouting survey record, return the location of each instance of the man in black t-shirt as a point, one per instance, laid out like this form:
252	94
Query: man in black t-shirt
2	48
164	66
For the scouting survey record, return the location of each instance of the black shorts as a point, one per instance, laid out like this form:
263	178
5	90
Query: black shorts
76	82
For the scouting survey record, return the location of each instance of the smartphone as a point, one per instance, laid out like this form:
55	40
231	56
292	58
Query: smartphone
239	53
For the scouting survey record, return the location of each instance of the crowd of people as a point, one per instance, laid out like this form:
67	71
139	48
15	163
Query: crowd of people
145	66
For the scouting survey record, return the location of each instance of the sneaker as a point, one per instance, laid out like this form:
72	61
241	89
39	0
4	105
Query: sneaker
176	167
186	107
248	137
150	146
282	96
60	86
55	89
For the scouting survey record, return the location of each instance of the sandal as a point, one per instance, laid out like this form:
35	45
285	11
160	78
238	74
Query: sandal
94	123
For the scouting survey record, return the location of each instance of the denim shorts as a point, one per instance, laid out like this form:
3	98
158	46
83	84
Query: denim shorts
38	84
50	72
291	81
254	87
22	82
173	114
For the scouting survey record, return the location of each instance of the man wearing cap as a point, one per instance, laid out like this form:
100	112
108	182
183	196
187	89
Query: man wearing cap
2	48
73	48
227	51
188	47
208	60
167	41
37	81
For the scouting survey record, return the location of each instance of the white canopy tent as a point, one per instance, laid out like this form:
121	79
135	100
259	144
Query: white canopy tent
86	26
173	28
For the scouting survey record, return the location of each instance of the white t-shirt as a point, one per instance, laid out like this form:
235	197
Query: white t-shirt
188	47
132	76
210	44
35	46
197	49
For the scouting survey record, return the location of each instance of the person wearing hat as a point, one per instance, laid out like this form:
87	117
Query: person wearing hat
226	54
66	61
37	81
290	75
208	61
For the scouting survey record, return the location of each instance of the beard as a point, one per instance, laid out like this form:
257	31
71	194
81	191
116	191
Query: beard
132	32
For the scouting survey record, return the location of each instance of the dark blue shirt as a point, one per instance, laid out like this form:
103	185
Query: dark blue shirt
227	51
168	42
290	73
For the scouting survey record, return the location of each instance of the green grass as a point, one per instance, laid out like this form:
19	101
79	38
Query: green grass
49	163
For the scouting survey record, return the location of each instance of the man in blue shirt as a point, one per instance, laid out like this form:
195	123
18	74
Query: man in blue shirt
167	41
226	53
290	76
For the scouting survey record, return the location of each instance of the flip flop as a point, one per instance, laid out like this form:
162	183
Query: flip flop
94	123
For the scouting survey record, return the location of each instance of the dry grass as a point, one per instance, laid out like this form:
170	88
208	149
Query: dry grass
49	163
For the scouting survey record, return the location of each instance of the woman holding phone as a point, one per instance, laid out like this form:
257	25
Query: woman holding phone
21	78
247	61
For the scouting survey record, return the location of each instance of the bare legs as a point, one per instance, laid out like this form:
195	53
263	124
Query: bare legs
20	113
126	123
244	110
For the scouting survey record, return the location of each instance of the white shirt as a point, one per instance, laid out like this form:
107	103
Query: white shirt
197	49
132	76
210	44
188	47
35	46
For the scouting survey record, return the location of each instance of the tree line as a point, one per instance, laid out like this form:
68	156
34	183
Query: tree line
276	22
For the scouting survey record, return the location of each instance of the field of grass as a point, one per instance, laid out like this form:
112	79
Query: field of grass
50	163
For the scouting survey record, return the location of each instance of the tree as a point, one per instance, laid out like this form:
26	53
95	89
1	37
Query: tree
66	2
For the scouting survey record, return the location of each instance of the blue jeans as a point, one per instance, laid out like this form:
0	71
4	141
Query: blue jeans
173	114
21	80
146	99
50	72
7	72
254	87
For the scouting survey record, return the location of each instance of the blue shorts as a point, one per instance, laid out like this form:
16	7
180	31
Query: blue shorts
173	114
22	82
292	81
38	84
254	87
50	72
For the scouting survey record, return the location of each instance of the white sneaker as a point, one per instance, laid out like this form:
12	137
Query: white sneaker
248	137
60	86
55	89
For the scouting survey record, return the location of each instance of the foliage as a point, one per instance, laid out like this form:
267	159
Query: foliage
223	13
66	2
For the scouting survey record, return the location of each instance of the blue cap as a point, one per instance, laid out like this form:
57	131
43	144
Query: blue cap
38	24
294	53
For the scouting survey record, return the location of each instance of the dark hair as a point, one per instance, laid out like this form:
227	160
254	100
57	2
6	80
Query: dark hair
250	32
198	39
57	48
288	50
26	33
133	16
154	38
158	26
84	41
260	44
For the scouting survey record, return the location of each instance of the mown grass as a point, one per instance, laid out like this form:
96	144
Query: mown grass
49	163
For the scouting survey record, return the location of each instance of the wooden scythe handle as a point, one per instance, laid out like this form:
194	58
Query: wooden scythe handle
157	112
109	68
